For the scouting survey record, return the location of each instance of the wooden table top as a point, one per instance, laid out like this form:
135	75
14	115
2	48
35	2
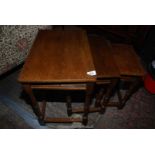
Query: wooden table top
127	60
58	56
103	59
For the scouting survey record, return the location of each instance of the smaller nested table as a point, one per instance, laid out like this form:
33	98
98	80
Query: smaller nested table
106	68
57	60
130	69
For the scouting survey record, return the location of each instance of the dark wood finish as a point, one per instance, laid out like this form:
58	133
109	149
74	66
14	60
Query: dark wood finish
106	68
89	92
60	87
135	84
120	98
62	120
127	60
103	82
58	56
43	108
81	110
108	93
59	60
102	56
69	106
130	69
35	106
99	97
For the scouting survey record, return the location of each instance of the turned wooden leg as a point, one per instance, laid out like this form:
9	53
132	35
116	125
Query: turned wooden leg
69	106
132	88
99	97
43	108
120	105
108	94
35	105
89	91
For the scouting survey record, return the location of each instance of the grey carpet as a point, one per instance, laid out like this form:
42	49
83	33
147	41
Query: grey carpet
9	119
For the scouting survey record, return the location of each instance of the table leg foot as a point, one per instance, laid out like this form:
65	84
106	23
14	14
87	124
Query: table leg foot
85	120
102	111
120	107
69	112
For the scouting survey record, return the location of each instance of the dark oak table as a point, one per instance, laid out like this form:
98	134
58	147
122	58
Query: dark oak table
106	68
130	68
57	60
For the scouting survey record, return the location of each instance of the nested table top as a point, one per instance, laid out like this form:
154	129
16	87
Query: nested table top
127	60
58	56
103	59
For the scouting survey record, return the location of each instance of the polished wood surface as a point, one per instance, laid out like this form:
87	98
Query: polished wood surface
102	56
130	68
62	120
127	60
59	60
106	68
58	56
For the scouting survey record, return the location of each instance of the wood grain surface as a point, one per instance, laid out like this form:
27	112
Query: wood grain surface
103	59
127	60
58	56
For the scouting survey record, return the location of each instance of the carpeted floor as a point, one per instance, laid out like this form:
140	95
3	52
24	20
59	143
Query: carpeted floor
10	119
138	113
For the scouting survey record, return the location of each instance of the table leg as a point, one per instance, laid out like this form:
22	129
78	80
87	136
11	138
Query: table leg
108	94
27	88
69	106
88	98
99	97
133	87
